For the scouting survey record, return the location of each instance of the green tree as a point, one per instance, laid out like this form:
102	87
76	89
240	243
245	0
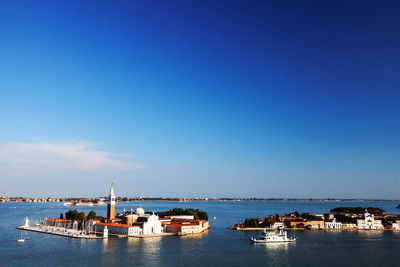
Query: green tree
81	216
75	215
251	222
91	215
61	216
71	215
266	223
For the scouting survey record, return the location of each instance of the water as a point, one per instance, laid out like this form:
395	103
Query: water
218	247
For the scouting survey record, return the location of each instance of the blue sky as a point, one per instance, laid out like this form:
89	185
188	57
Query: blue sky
200	98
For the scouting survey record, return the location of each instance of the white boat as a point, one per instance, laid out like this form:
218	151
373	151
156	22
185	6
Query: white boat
21	239
273	237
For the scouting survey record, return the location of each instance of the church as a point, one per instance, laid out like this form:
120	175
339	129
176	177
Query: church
368	222
129	224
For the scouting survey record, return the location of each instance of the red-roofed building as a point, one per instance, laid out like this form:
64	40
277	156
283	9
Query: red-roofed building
186	226
118	229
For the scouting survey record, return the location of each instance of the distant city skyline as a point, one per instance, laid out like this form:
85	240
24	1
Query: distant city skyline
261	99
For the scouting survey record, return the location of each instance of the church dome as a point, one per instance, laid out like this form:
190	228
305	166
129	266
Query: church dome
139	210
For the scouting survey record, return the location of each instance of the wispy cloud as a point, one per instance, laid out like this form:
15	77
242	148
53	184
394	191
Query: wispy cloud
63	156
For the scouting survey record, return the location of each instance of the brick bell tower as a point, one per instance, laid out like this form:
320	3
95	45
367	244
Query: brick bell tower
111	204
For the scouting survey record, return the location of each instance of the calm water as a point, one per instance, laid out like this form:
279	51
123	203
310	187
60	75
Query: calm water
218	247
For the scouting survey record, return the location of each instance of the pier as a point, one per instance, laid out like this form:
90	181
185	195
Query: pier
59	230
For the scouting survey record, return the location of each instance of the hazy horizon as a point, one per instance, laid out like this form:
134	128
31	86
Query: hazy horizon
264	99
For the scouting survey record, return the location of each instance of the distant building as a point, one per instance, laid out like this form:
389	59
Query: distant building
299	224
396	225
330	216
317	224
333	224
186	226
368	222
349	226
276	225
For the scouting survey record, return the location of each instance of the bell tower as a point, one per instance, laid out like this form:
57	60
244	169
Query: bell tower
111	204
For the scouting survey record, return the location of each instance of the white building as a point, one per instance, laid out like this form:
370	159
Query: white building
118	229
151	224
333	224
368	222
396	226
276	225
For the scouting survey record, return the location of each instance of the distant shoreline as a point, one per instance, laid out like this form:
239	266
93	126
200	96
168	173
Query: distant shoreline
122	200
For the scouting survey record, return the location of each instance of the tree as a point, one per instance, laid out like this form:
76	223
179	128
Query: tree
81	216
197	214
91	215
71	215
296	213
61	216
75	215
266	223
358	210
251	222
277	217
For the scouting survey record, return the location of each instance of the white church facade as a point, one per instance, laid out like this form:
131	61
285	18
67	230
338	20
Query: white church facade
368	222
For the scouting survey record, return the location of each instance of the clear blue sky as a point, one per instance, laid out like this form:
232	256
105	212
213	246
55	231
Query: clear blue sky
200	98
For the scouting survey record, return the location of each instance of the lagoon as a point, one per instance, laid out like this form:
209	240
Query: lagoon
218	247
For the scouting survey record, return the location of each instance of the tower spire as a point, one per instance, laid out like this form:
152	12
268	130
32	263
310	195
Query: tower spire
111	204
112	193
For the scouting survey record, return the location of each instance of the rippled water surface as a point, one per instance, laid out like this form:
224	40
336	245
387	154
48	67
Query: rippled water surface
218	247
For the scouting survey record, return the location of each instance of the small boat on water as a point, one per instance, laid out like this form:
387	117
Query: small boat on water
21	239
273	237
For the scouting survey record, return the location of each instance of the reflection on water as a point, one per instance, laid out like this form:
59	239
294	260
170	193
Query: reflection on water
275	253
371	234
151	246
276	247
195	236
109	245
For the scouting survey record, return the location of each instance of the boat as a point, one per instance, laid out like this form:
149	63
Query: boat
21	239
273	237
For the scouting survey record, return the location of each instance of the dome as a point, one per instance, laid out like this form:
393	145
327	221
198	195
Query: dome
139	210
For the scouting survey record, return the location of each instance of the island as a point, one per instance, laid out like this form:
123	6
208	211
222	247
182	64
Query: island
341	218
125	224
